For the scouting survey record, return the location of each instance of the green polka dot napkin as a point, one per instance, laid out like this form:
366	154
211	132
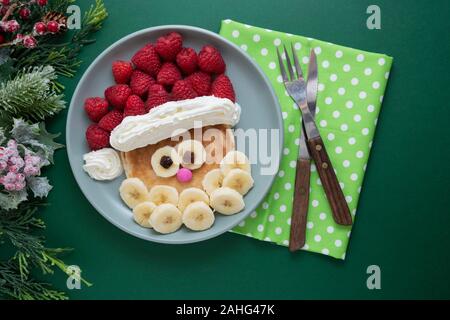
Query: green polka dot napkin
351	87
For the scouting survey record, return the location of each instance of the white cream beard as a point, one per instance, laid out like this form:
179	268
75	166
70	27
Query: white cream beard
173	118
103	164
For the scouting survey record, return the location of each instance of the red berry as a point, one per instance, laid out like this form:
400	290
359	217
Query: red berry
134	106
223	88
53	26
168	74
96	108
147	60
96	137
140	82
157	95
11	26
29	42
24	13
187	60
117	95
5	2
40	28
122	71
42	2
111	120
169	45
201	82
182	89
210	60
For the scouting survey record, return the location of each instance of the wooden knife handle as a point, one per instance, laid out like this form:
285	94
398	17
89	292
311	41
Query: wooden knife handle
330	183
301	203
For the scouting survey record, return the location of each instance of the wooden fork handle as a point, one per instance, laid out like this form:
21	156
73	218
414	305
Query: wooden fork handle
330	183
300	205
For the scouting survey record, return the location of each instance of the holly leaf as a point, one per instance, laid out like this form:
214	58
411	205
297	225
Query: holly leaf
40	186
6	65
12	199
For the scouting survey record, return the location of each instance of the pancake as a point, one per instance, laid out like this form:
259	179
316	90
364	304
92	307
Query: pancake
218	141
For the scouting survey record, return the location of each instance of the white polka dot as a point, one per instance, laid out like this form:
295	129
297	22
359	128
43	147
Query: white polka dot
351	141
338	150
244	47
293	164
386	75
288	186
318	50
297	141
344	127
286	151
321	87
278	230
286	242
315	203
338	243
256	38
242	224
336	114
260	228
349	104
330	229
277	42
264	51
253	214
294	106
330	136
317	238
365	131
367	71
325	251
348	199
333	77
342	185
323	123
328	100
357	118
381	61
291	128
279	79
288	34
370	108
346	68
317	110
305	247
322	216
360	57
313	167
310	225
319	182
271	218
247	26
339	54
341	91
325	64
276	196
354	81
354	177
227	21
265	205
376	85
297	46
267	239
359	154
381	98
288	221
346	163
305	60
235	33
272	65
362	95
284	114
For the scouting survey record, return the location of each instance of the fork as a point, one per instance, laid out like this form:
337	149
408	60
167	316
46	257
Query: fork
296	87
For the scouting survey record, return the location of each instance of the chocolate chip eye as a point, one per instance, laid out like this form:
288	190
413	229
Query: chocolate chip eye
166	162
189	157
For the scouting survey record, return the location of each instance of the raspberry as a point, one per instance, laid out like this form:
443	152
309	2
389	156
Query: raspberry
96	137
201	82
157	95
140	82
182	89
117	95
169	45
223	88
147	60
168	74
134	106
210	60
187	60
111	120
96	108
122	71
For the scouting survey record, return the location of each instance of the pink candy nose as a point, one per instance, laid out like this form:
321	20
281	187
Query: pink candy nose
184	175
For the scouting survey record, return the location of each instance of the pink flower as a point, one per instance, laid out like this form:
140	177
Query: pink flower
3	165
29	42
11	26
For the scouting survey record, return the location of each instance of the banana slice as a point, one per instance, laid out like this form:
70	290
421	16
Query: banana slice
163	194
165	162
142	213
192	154
227	201
166	218
212	180
239	180
190	195
133	191
198	216
235	160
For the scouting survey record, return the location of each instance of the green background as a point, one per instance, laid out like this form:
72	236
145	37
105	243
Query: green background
403	217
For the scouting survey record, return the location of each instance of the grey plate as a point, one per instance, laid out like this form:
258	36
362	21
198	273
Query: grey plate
260	110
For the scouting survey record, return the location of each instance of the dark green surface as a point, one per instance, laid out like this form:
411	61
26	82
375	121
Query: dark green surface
403	218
